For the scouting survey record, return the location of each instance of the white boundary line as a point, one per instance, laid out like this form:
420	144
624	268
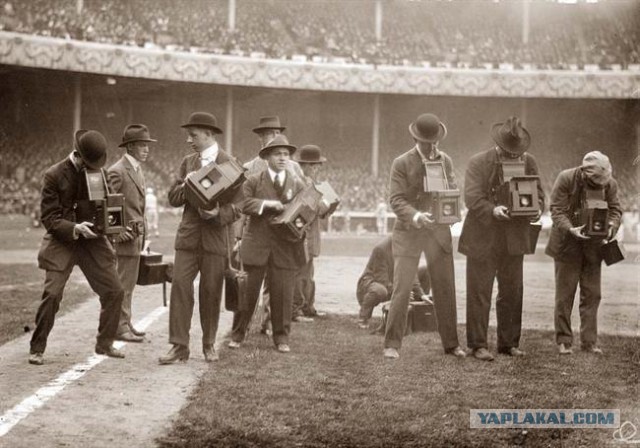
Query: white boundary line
23	409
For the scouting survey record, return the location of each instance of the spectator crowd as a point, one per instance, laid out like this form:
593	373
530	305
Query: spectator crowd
463	34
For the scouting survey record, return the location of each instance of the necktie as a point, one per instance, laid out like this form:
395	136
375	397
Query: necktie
278	185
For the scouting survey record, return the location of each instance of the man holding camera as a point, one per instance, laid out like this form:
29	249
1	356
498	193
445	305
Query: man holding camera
201	246
416	231
126	177
576	253
495	242
71	240
265	252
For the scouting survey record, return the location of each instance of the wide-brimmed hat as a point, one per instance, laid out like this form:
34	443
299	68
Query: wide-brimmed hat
310	154
266	123
203	120
136	133
92	147
511	136
428	128
279	141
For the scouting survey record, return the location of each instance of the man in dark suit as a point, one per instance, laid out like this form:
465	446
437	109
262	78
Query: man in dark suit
576	256
495	243
69	242
201	246
375	285
414	232
126	177
266	252
310	159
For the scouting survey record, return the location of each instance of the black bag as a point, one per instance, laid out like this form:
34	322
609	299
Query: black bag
611	252
235	283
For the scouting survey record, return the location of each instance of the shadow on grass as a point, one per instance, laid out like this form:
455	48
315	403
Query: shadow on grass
335	389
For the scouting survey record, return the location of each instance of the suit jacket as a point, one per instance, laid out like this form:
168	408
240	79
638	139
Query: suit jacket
480	227
314	242
566	198
123	179
61	191
194	232
259	241
405	186
380	268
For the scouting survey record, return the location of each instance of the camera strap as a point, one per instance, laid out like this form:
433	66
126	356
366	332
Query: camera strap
226	234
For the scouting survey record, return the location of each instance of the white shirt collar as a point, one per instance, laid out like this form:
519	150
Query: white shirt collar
135	162
211	153
273	174
74	160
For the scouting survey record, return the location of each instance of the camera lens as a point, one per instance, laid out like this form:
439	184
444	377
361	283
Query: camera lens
447	210
525	201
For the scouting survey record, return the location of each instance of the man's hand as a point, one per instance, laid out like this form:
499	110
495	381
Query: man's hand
423	219
501	213
274	205
209	214
426	298
613	231
577	233
124	237
84	229
236	246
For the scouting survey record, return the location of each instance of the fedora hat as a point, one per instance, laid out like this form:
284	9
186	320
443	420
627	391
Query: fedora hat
272	122
279	141
310	154
92	147
428	128
203	120
136	133
511	136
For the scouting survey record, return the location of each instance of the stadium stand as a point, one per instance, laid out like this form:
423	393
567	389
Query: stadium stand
451	34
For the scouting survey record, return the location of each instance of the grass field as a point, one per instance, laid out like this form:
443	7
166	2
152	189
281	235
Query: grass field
335	389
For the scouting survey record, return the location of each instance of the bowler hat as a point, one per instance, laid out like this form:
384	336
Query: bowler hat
136	133
279	141
203	120
511	136
92	147
266	123
428	128
310	154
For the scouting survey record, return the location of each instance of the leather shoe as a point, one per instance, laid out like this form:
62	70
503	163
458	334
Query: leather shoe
136	332
129	337
482	354
233	344
36	359
283	348
564	349
177	353
512	351
593	349
109	351
210	354
391	353
302	319
457	352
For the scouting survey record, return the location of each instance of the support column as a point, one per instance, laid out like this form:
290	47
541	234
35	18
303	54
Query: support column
375	137
228	130
77	104
526	9
378	17
79	6
232	15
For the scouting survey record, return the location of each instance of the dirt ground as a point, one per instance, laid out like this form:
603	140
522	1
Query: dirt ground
133	401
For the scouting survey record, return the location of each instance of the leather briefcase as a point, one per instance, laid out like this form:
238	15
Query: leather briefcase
235	288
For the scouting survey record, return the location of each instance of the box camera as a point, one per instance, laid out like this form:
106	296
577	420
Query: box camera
154	271
298	214
329	195
104	210
437	198
214	184
594	214
518	191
